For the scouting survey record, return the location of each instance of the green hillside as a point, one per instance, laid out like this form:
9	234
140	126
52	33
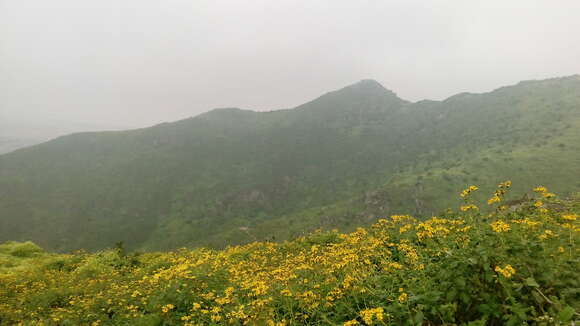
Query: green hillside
232	176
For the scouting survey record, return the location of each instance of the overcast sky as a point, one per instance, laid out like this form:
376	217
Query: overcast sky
131	63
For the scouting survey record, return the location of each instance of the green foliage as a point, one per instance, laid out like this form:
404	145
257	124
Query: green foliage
232	176
22	250
15	256
512	266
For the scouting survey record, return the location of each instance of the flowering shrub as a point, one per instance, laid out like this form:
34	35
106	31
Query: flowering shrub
511	266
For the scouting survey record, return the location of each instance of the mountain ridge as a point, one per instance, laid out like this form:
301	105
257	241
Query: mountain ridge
340	160
357	85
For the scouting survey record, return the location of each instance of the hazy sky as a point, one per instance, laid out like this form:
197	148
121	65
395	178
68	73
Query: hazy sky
131	63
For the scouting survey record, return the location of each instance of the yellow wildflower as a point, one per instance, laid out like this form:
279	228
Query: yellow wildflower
223	301
507	271
403	297
465	208
570	217
166	308
494	199
540	189
270	322
548	195
368	314
546	235
505	184
466	192
500	226
394	265
405	228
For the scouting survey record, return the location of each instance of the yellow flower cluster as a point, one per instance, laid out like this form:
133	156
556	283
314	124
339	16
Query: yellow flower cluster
505	185
368	315
494	199
499	192
546	235
570	217
402	296
540	189
544	192
438	227
527	222
467	192
500	226
507	271
168	307
466	208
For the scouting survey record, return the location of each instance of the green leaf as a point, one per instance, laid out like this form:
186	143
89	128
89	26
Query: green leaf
566	314
530	281
419	318
480	322
539	299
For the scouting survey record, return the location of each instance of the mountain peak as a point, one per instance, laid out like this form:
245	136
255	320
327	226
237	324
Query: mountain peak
364	95
367	89
367	84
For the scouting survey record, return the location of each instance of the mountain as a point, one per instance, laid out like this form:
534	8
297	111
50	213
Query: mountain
232	176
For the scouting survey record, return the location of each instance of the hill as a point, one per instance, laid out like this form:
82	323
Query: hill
514	266
233	176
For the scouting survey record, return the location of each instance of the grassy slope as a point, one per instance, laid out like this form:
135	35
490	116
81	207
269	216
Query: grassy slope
16	257
507	268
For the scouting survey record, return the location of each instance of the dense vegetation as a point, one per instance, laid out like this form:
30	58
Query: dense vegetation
516	265
232	176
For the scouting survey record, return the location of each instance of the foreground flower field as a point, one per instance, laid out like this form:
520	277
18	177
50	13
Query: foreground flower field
514	264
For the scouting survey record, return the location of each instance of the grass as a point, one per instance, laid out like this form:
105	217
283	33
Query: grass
508	266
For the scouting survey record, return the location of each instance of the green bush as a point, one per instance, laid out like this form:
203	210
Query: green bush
21	249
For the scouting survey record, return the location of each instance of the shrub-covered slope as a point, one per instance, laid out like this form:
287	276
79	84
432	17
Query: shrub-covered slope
516	265
232	176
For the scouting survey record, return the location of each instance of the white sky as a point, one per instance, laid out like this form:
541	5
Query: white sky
131	63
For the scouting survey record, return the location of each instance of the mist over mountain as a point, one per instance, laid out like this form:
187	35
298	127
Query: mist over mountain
289	163
22	131
232	176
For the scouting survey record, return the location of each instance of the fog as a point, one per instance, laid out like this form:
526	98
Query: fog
70	65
